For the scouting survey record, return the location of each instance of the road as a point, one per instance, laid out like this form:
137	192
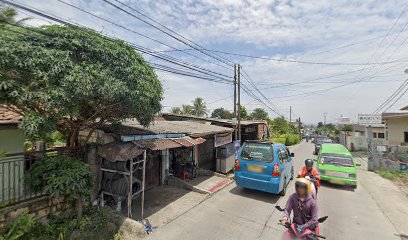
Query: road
236	213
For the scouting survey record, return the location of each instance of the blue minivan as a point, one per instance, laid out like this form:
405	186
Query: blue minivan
264	166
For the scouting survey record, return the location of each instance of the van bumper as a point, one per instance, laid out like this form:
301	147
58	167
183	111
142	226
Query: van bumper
271	186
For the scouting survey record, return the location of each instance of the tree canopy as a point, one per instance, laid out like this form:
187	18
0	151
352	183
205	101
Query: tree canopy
221	113
70	78
259	114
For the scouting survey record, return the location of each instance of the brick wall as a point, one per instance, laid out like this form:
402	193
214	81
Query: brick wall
38	208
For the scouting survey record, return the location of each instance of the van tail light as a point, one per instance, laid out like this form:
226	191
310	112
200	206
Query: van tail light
237	165
276	170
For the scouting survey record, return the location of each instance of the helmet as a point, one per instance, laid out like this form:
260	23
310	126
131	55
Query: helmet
309	164
303	182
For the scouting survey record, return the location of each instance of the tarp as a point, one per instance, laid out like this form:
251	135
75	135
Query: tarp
120	151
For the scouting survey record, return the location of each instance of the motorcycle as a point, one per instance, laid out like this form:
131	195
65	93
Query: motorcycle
294	232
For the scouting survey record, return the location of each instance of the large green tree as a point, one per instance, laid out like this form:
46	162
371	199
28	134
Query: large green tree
69	78
221	113
259	114
244	113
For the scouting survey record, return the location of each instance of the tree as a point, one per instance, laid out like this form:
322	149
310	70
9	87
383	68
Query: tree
186	109
279	126
319	124
70	79
176	110
259	114
199	108
244	113
8	16
347	128
221	113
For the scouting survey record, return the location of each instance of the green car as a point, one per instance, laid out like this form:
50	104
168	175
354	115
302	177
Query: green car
336	165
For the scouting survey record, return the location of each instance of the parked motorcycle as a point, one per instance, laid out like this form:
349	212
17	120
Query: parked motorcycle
294	232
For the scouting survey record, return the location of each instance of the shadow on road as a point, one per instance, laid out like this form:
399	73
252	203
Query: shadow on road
256	195
337	187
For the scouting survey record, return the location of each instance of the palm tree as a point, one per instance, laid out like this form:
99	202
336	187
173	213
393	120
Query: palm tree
8	16
199	107
176	110
186	109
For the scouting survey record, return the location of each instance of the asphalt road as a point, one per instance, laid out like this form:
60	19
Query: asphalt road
236	213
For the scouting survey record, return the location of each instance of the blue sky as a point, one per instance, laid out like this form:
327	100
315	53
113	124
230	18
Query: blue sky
297	30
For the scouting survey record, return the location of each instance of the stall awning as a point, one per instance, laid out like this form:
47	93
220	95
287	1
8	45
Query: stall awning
120	151
188	141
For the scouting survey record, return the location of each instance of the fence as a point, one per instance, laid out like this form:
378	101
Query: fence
13	188
382	156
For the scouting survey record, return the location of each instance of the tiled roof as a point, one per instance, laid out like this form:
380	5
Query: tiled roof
219	120
7	116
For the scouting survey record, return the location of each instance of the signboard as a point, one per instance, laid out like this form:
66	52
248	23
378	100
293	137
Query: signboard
344	120
369	119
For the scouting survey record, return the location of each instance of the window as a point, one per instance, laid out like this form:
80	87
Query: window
406	137
374	135
283	155
257	152
381	135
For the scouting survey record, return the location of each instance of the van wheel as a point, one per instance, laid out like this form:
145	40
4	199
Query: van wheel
283	192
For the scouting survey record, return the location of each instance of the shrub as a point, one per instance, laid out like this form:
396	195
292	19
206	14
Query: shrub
291	139
62	176
18	227
279	140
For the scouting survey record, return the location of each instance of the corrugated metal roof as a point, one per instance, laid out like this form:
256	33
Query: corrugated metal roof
158	144
186	127
8	116
219	120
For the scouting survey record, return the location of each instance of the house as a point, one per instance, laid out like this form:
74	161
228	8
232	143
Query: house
11	137
11	142
173	147
357	140
250	129
396	127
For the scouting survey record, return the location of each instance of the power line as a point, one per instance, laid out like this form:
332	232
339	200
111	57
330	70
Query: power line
165	32
396	100
299	61
135	32
163	57
392	96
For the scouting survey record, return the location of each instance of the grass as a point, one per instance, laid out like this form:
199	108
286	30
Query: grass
395	176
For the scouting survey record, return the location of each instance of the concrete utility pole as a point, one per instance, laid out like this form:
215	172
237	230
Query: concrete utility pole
235	101
290	114
239	102
300	128
325	116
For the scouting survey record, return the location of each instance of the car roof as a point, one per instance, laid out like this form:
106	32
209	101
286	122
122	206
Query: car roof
334	148
264	142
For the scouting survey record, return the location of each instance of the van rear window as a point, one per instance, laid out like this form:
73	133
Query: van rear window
257	152
337	159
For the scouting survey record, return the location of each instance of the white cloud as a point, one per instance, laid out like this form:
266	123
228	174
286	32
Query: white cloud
279	29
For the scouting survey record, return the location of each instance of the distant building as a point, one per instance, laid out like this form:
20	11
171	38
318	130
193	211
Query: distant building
396	126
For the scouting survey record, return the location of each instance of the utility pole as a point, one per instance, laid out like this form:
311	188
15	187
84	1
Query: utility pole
300	129
325	115
235	102
239	102
290	114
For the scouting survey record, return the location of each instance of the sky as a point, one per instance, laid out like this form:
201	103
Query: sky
339	57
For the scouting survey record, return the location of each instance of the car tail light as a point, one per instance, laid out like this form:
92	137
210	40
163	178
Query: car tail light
237	165
276	170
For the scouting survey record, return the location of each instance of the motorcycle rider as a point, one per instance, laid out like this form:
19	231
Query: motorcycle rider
309	171
303	205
